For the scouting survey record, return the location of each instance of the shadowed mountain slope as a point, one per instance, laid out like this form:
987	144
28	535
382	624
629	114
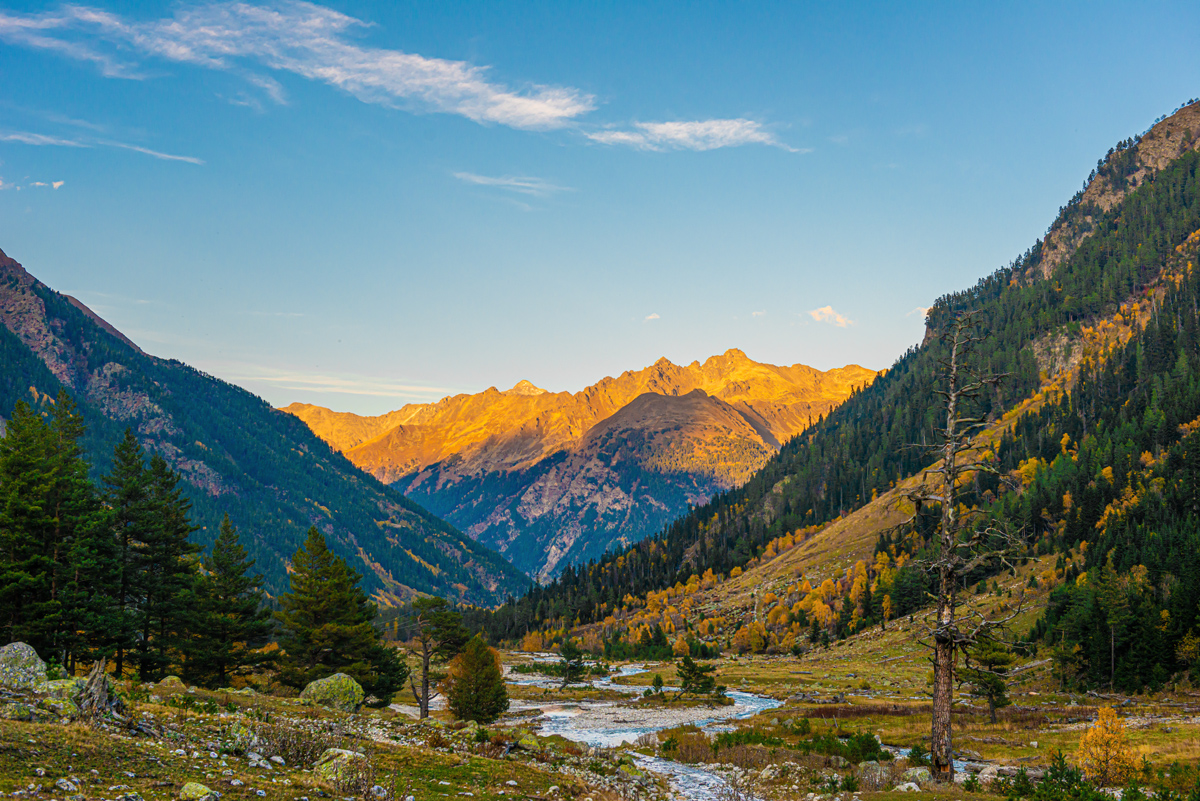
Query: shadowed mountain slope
236	454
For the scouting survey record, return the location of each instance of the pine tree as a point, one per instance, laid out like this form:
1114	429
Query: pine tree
475	683
695	679
572	662
231	621
30	613
437	637
326	625
167	573
87	568
52	533
989	677
127	485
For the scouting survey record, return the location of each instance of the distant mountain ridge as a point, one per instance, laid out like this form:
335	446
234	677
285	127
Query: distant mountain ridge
554	477
236	453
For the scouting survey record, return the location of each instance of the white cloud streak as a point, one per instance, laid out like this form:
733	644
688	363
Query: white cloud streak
762	313
338	384
524	185
26	138
826	314
301	38
155	153
693	135
42	140
653	316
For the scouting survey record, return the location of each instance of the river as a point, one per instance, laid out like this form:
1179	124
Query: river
607	724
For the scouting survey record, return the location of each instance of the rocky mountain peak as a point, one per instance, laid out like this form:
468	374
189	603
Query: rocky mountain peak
524	387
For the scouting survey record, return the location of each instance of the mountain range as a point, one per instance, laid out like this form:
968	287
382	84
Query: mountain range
236	454
552	478
1091	434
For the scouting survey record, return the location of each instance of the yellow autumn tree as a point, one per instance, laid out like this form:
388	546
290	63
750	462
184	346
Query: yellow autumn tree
681	647
533	642
1104	754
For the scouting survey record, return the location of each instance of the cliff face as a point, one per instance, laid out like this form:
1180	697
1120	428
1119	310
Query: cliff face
236	454
549	478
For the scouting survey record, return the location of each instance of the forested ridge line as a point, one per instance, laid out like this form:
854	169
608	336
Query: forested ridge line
861	448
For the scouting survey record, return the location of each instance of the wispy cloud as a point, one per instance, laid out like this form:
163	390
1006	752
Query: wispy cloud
525	185
27	138
762	313
156	154
653	316
693	135
921	310
299	381
826	314
51	184
300	38
44	140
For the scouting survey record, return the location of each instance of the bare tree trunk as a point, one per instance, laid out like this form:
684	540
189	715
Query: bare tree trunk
941	742
944	638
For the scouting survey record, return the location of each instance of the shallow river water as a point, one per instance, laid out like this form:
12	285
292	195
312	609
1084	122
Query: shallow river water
604	723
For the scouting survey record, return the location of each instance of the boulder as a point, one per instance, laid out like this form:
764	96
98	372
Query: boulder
339	766
21	667
529	743
16	711
338	691
172	684
908	787
195	791
918	776
873	774
838	761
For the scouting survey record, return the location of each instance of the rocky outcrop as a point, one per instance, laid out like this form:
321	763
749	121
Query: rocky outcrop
1166	141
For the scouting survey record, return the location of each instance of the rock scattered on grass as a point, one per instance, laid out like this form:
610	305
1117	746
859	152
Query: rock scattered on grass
338	691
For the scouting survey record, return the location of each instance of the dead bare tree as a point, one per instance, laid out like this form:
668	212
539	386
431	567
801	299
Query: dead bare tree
963	541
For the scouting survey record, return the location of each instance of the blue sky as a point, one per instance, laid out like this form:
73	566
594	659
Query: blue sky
363	205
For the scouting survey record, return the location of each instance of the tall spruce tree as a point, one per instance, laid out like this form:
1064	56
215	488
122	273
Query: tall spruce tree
84	542
326	622
128	495
231	622
26	529
167	571
53	536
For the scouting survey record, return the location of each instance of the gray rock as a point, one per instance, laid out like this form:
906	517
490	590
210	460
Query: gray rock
920	776
337	765
21	667
908	787
338	691
874	775
195	791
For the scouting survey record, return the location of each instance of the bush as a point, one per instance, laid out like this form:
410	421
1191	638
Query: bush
1104	753
475	683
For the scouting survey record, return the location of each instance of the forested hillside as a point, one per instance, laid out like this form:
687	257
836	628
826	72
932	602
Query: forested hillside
1122	240
237	455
